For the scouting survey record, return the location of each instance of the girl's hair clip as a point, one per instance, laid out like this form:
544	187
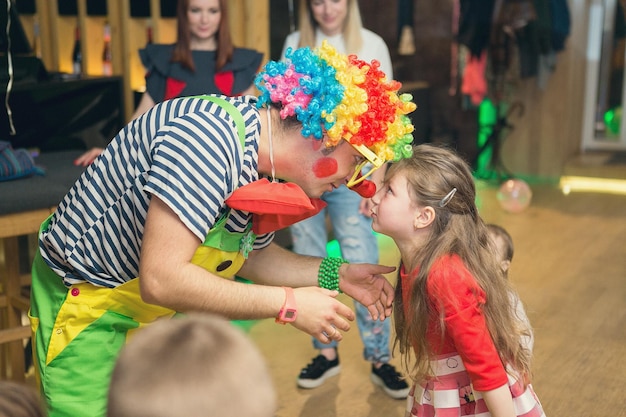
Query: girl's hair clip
444	201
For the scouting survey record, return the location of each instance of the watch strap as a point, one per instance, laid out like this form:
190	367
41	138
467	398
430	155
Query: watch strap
288	311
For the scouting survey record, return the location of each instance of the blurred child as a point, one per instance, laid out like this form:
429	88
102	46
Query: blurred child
504	254
191	366
452	306
19	400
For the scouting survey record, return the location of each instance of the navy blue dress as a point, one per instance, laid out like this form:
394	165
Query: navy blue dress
166	79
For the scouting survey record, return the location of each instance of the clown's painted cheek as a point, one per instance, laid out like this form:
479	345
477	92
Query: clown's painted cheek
325	167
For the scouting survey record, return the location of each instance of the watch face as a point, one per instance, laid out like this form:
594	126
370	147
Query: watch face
290	314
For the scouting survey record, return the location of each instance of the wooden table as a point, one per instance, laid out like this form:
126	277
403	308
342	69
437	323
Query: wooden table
24	204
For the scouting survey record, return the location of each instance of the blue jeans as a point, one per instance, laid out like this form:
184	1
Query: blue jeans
358	244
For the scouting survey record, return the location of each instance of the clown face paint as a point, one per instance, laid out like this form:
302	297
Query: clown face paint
325	167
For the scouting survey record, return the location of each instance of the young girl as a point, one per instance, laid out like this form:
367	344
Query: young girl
452	303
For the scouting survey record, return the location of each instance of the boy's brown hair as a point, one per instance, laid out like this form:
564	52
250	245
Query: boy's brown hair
19	400
196	365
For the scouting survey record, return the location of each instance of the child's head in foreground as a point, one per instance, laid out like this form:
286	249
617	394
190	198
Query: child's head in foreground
19	400
196	365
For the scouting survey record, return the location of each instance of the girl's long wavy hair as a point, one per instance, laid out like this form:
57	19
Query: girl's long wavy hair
351	29
432	172
182	49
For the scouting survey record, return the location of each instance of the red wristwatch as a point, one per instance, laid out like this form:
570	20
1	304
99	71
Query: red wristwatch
288	312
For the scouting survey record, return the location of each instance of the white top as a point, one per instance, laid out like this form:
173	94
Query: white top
374	47
529	340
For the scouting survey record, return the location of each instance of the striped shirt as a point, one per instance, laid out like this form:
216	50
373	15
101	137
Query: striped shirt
186	152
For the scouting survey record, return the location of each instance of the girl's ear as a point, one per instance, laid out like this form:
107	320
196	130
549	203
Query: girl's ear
424	216
505	265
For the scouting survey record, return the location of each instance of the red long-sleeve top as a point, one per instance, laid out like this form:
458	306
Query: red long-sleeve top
451	287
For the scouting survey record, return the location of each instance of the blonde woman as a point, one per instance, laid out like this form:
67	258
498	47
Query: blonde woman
339	23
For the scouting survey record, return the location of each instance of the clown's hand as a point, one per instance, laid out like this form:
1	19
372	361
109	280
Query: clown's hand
367	285
321	315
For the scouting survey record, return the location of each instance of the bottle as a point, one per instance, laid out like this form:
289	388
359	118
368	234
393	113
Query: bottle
77	54
149	34
36	39
107	65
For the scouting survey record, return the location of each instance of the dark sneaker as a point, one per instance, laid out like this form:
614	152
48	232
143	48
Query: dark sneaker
390	381
318	371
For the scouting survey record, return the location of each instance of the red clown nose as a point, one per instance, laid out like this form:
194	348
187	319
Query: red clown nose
365	188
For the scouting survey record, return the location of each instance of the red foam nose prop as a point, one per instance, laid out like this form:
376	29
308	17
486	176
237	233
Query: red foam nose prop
365	189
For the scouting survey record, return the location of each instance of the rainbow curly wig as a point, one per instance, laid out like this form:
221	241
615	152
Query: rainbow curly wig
343	96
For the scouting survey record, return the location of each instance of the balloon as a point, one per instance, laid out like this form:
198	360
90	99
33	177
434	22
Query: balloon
514	195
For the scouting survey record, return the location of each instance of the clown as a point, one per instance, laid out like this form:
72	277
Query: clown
335	97
191	192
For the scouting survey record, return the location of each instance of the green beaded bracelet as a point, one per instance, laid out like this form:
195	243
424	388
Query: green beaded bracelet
328	274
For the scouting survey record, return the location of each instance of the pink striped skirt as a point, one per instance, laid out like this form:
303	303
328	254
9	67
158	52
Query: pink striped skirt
450	394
